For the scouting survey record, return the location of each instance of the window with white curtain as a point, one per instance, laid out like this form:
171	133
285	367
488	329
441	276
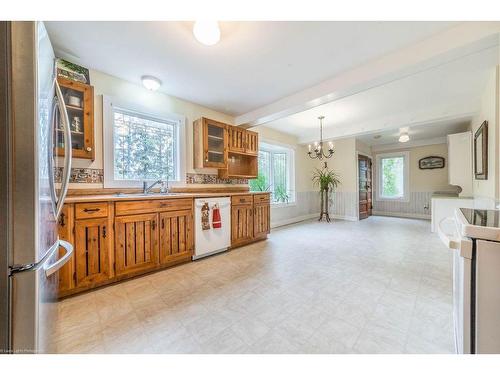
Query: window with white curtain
275	173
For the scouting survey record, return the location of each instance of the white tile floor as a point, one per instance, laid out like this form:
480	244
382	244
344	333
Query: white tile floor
381	285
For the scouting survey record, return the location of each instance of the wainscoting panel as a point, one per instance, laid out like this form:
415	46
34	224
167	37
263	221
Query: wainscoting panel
343	205
418	206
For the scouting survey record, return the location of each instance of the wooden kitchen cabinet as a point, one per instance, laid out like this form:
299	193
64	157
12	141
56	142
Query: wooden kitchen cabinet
241	220
242	141
230	149
250	218
237	139
116	240
251	142
136	243
79	100
65	231
91	251
210	144
176	235
262	215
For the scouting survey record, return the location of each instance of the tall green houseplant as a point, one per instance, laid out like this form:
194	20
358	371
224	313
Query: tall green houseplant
327	181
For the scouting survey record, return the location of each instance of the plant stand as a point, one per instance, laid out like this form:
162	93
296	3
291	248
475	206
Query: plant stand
324	206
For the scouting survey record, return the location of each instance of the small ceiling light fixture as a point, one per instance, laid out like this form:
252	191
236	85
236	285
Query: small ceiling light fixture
404	137
207	32
151	83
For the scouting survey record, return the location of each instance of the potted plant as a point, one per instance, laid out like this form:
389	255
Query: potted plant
327	181
259	183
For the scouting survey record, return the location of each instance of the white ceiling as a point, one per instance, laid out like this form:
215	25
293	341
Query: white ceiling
422	132
445	94
254	64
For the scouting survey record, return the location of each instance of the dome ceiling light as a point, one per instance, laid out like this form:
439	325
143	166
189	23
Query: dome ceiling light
207	32
404	137
151	83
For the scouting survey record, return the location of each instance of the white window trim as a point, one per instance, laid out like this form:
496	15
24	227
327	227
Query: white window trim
108	142
406	177
291	173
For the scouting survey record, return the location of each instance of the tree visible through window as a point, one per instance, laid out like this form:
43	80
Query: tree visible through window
144	148
274	172
392	177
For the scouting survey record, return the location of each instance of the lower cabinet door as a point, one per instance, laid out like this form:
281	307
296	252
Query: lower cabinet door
91	251
65	231
176	235
241	224
261	219
136	243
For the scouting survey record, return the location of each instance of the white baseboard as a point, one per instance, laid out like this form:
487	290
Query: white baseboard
292	220
401	214
342	217
298	219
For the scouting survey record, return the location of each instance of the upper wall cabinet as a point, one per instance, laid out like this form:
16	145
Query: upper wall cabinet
79	100
243	141
210	144
230	149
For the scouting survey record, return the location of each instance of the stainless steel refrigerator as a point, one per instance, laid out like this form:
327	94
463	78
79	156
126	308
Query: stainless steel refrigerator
31	111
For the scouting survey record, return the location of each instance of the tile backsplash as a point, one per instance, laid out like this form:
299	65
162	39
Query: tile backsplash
203	178
82	175
96	176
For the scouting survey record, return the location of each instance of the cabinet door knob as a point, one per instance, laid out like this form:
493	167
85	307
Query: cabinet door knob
89	149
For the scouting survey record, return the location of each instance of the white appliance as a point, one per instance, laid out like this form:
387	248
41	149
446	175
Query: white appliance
443	206
476	279
213	240
31	104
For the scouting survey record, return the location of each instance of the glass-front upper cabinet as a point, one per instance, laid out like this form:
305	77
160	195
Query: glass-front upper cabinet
79	100
210	144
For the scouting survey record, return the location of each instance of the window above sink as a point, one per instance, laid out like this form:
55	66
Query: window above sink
141	144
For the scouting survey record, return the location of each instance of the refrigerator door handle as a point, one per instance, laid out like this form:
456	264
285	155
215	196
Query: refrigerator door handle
50	157
62	261
58	201
35	266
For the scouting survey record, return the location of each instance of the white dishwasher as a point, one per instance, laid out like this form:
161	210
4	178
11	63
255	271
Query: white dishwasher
212	240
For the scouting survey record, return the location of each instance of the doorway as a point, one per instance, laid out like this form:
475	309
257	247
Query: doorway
365	186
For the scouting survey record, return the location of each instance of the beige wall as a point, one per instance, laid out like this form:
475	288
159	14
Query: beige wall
425	180
344	163
422	182
105	84
489	112
363	148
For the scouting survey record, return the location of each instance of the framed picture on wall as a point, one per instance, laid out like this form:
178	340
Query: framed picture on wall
481	152
431	162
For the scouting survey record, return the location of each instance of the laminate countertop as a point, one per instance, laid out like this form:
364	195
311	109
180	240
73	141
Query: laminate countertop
140	196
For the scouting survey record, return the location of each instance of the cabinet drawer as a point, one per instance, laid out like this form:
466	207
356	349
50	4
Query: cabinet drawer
241	199
153	205
91	210
261	198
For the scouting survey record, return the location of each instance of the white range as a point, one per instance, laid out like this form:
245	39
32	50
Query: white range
476	279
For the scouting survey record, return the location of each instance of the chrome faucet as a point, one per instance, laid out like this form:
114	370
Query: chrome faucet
147	189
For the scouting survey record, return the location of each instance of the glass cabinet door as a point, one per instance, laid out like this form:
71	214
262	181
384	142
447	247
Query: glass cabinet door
78	98
215	144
